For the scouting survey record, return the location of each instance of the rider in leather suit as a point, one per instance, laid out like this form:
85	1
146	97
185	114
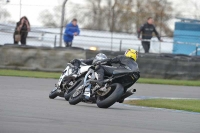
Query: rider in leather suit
126	62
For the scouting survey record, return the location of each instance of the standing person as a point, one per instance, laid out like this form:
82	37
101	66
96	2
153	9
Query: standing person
147	32
17	36
22	27
25	28
71	30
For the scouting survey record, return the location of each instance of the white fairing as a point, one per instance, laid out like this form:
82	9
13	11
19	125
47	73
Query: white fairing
96	75
67	71
84	69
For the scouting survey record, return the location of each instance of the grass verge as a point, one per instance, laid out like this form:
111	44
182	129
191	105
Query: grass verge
33	74
177	104
55	75
169	82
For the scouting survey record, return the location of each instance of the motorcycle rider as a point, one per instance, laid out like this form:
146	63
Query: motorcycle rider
77	62
126	62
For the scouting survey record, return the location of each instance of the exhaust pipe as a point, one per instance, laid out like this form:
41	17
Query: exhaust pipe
127	94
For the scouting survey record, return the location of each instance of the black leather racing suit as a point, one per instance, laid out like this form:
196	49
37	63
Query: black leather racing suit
125	63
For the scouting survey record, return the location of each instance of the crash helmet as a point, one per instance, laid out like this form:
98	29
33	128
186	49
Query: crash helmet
99	57
131	53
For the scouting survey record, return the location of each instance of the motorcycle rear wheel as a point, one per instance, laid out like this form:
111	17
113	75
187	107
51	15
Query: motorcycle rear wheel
117	90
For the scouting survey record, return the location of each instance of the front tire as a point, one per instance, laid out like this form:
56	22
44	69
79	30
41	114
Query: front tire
77	96
53	94
78	84
112	97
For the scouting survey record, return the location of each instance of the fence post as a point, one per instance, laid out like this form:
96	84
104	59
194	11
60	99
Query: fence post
112	27
139	49
113	23
161	15
159	47
55	41
120	45
197	47
62	21
20	10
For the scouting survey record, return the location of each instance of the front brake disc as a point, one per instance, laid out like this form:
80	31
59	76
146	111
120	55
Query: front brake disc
78	92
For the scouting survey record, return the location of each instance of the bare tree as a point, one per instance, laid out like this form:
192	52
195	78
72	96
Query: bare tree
115	15
160	10
188	9
52	18
195	5
108	15
127	15
4	14
123	16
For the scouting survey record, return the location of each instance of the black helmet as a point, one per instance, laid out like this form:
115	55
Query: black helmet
99	57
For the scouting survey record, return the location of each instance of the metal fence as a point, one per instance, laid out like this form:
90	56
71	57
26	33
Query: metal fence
102	40
105	24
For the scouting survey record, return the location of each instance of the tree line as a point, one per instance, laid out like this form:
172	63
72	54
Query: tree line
115	15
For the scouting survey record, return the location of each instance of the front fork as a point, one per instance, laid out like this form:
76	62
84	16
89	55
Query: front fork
60	79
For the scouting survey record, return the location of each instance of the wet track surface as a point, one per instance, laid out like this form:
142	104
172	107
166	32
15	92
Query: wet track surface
26	108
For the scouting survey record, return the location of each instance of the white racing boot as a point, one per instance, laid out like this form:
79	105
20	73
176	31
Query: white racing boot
87	92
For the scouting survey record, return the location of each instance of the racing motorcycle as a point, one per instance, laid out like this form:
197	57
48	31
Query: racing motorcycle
69	81
116	88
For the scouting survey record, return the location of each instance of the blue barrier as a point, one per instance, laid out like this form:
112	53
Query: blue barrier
186	38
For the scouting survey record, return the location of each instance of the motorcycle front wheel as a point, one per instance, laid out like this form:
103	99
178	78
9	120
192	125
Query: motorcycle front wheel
73	89
77	96
53	94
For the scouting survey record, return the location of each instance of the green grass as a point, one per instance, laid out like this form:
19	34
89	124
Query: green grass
169	82
177	104
56	75
33	74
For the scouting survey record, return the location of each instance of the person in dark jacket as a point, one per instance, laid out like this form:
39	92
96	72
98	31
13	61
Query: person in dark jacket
126	62
23	26
71	30
147	32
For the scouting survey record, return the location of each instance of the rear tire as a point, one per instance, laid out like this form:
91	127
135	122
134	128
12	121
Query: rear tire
112	98
53	94
78	84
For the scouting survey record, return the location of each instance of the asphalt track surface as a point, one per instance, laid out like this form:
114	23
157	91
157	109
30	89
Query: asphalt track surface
26	108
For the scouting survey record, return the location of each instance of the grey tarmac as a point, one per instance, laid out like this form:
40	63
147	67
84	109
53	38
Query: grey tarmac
26	108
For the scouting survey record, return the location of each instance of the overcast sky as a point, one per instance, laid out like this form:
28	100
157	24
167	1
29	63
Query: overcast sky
32	8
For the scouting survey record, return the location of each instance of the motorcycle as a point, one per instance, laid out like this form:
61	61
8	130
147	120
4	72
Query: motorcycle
115	89
68	81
